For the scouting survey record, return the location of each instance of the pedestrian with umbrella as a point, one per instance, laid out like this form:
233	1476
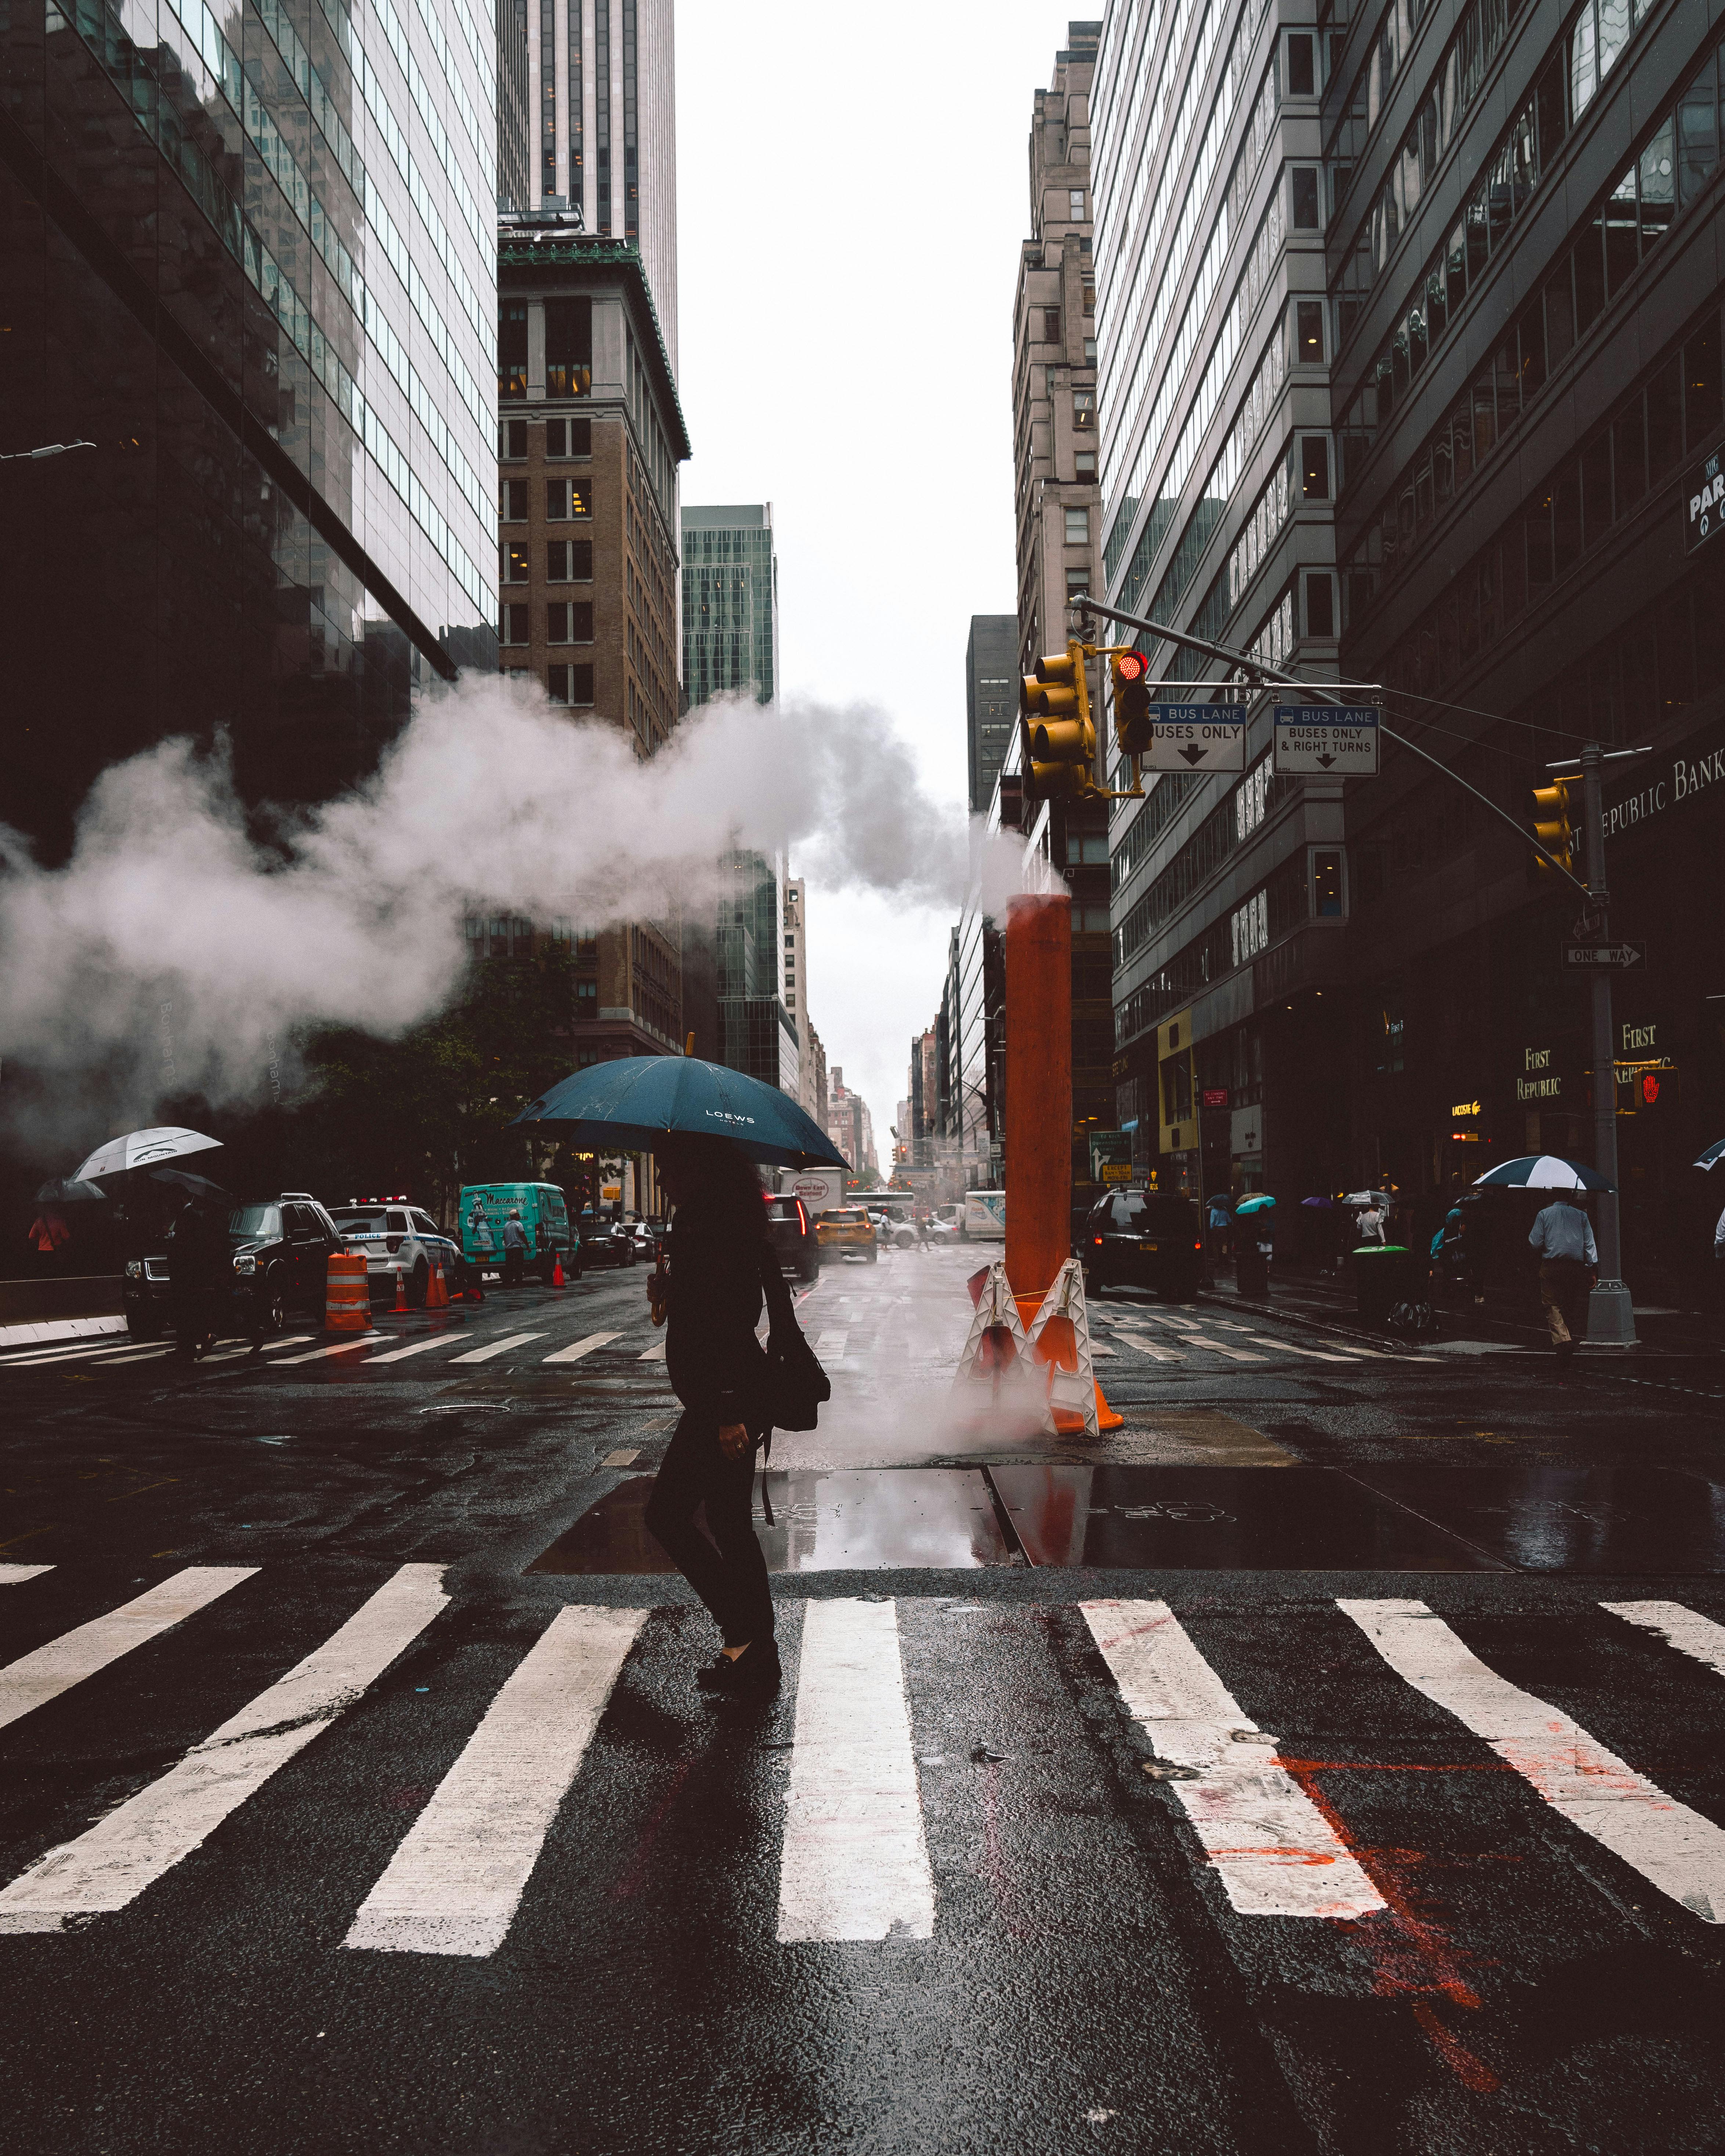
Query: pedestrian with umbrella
1562	1236
706	1126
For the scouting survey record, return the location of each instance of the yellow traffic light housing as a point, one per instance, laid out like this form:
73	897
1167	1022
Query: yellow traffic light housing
1059	739
1552	823
1131	674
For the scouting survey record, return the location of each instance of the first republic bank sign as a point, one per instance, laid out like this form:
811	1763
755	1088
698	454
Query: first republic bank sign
1695	767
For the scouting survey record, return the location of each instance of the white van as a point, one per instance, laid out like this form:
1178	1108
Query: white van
984	1216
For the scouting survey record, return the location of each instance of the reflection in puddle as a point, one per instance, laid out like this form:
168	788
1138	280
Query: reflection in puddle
938	1518
1647	1519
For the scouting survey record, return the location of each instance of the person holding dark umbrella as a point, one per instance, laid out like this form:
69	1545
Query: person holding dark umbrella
712	1298
199	1267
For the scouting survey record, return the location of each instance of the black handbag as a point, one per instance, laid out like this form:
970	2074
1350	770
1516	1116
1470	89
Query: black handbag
794	1385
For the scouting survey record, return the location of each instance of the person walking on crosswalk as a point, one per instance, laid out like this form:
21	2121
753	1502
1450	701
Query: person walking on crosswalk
712	1300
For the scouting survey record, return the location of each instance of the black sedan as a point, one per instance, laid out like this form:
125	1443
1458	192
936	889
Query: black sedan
280	1252
1140	1238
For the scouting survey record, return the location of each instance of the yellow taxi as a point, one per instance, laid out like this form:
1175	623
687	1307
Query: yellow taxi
848	1228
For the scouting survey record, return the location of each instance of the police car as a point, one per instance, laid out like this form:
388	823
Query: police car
399	1242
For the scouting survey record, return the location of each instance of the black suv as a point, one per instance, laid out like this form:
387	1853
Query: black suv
280	1250
1139	1238
790	1227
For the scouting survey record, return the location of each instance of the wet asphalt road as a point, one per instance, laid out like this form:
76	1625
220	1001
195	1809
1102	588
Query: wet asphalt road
380	1822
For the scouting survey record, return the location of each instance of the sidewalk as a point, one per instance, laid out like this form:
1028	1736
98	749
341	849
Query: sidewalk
58	1328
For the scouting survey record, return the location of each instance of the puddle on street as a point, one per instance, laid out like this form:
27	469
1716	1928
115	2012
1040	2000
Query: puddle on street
1626	1520
940	1518
1303	1519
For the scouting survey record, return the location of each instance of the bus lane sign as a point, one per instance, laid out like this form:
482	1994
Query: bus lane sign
1334	741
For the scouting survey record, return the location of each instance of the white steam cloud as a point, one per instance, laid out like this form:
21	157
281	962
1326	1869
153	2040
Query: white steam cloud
172	943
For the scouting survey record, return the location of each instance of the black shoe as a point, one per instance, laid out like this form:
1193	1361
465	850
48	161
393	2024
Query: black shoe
754	1674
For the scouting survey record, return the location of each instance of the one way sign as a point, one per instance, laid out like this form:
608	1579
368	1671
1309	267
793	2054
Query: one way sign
1604	958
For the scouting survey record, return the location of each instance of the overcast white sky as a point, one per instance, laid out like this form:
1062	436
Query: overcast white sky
853	190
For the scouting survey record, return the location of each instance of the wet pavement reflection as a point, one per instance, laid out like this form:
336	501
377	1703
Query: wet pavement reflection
943	1518
1221	1519
1628	1520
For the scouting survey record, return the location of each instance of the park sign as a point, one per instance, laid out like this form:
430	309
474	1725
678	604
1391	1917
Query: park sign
1197	738
1705	496
1326	741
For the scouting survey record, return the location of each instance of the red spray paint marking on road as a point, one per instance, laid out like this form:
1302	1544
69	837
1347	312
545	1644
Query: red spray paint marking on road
631	1881
992	1866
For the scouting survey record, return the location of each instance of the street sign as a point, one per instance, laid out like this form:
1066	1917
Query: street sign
1197	738
1604	958
1214	1097
1704	497
1110	1155
1327	741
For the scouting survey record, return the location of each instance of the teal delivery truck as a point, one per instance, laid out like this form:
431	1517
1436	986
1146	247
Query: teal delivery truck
544	1214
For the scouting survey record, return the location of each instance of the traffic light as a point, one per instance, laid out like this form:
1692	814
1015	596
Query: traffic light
1551	823
1131	670
1061	741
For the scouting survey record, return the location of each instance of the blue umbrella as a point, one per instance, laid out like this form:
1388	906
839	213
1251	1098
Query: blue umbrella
635	1101
1259	1202
1543	1171
1713	1155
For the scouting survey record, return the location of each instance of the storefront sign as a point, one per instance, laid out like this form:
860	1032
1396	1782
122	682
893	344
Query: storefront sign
1633	1039
1463	1107
1538	1081
1684	774
1704	497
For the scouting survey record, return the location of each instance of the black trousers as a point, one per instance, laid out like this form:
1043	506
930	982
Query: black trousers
730	1577
513	1261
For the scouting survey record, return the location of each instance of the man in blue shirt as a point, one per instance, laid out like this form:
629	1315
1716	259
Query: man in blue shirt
1564	1236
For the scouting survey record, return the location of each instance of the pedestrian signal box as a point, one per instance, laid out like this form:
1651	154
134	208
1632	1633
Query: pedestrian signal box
1059	739
1552	824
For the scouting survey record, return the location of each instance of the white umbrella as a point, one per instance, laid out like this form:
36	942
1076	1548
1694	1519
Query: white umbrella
144	1149
1543	1171
1369	1198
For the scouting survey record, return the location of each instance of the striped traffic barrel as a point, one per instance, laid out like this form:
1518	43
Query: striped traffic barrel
347	1305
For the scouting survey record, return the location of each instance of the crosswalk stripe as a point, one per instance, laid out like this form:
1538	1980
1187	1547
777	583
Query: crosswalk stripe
340	1347
654	1354
415	1348
1673	1848
1686	1629
1153	1348
142	1355
1221	1348
496	1347
832	1343
574	1352
455	1884
123	1350
15	1575
129	1848
43	1675
67	1351
1275	1852
853	1865
1293	1347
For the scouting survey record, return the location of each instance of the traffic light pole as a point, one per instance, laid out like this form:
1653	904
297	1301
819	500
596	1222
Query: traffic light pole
1611	1315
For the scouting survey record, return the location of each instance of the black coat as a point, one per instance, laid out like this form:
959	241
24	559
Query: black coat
711	1355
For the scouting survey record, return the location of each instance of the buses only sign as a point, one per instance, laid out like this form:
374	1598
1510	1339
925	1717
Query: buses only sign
1334	741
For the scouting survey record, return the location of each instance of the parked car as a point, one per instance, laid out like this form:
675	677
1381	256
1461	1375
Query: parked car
545	1215
605	1242
400	1242
1140	1238
790	1228
281	1250
849	1228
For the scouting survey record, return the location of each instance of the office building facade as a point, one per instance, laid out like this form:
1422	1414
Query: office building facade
1217	469
259	278
851	1127
601	91
991	700
811	1056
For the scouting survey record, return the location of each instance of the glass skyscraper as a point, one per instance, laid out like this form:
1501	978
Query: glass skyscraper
251	258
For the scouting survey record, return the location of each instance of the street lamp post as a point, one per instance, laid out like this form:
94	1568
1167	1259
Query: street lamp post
1611	1315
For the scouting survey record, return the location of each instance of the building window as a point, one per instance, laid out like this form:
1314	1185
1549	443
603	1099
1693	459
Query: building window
1084	408
513	626
1249	928
569	347
1077	581
569	684
568	624
568	498
1084	467
1320	604
512	439
513	502
1304	180
1074	203
1388	1028
1326	884
515	565
1090	351
587	998
1300	66
569	562
1315	466
568	438
1051	325
1078	528
1308	332
512	348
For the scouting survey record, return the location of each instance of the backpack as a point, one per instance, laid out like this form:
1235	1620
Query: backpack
793	1384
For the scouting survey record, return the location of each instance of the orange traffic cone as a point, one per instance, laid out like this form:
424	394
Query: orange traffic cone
437	1294
557	1269
401	1296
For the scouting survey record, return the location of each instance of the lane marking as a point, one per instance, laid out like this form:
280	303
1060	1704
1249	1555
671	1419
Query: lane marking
1153	1348
621	1458
832	1343
1292	1347
72	1351
131	1847
340	1347
1221	1348
1686	1629
496	1347
454	1886
43	1675
142	1355
854	1864
1275	1852
1673	1848
1098	1348
654	1354
416	1347
578	1348
15	1575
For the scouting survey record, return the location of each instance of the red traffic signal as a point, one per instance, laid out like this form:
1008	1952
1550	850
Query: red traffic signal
1131	666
